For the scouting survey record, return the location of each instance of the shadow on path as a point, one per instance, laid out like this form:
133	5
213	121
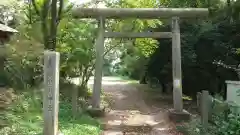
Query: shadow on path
130	113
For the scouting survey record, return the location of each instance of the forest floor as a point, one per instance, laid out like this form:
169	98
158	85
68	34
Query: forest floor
133	111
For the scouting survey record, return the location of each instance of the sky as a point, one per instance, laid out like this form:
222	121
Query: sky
79	2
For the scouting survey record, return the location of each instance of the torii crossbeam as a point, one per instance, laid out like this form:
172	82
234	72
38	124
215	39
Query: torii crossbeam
144	13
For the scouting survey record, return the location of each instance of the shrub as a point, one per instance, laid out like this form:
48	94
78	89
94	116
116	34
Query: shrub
23	65
24	117
222	123
227	126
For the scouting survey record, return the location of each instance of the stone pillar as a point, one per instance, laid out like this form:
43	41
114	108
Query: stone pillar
176	65
204	109
51	92
177	114
99	64
233	91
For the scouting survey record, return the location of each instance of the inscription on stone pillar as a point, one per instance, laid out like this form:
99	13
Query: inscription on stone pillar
51	92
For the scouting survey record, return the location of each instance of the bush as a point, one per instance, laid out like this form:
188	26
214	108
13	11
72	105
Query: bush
23	65
191	128
221	124
24	117
24	73
227	126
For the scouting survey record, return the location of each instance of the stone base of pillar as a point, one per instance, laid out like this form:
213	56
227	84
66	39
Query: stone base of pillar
96	112
177	116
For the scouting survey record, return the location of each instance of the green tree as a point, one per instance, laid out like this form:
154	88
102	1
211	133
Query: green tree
203	43
133	50
24	50
147	46
49	11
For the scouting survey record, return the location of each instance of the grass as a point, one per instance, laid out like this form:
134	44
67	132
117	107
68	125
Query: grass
24	117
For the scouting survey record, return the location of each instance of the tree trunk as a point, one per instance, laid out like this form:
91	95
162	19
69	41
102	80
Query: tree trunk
2	60
2	73
228	3
53	32
75	101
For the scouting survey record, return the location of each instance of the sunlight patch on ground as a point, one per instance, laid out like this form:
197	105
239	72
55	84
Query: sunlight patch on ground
107	81
186	98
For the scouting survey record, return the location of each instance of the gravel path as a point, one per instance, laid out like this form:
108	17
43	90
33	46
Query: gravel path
128	112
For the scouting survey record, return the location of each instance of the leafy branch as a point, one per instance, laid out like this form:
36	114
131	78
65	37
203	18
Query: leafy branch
35	7
49	32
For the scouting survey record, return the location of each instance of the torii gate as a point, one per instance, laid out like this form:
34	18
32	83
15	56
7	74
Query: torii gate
143	13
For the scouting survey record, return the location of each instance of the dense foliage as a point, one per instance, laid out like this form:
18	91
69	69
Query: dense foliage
222	122
75	40
25	118
210	47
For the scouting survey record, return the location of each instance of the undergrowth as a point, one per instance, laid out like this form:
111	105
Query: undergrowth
24	117
220	124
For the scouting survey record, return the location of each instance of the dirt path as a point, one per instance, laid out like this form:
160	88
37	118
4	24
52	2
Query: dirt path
130	114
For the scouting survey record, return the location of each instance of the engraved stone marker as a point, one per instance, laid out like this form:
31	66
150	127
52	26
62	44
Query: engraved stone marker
51	92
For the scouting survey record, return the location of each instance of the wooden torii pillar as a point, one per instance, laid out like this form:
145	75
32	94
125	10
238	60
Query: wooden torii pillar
143	13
